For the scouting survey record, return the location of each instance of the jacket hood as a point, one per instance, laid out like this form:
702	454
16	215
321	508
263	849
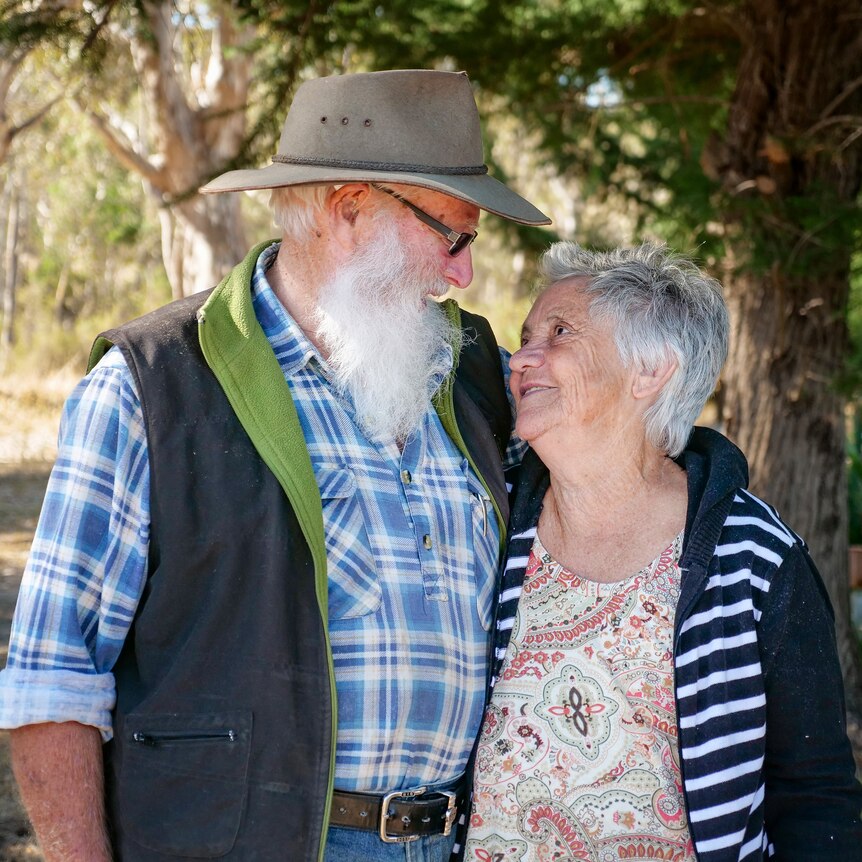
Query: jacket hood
715	469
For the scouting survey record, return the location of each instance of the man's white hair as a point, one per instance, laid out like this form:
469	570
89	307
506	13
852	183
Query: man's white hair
295	208
661	306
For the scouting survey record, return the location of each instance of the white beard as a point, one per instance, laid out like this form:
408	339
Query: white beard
384	341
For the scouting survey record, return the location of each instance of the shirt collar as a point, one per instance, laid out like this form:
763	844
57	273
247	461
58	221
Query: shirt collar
290	344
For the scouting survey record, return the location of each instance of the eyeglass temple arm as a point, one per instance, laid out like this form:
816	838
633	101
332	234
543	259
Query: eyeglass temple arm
432	222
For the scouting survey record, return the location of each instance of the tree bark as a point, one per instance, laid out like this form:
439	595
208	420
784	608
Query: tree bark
209	231
792	167
10	269
196	128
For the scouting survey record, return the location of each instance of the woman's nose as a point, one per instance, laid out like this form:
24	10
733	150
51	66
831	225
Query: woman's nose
529	355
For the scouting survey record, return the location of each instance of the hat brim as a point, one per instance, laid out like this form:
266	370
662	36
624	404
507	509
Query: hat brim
479	189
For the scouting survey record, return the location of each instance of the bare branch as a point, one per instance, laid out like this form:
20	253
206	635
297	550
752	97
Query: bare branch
847	91
155	62
853	136
34	118
94	33
838	119
8	69
122	150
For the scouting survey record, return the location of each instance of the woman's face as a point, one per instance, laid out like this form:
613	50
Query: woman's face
567	381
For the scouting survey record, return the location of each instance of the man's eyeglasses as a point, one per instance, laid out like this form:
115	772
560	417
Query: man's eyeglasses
459	241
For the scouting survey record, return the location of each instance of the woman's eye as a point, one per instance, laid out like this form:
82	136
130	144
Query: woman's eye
559	329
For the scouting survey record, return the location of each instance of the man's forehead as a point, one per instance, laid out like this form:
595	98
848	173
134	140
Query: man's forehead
437	203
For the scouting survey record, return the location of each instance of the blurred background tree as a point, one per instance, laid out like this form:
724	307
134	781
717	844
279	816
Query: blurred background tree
731	129
735	129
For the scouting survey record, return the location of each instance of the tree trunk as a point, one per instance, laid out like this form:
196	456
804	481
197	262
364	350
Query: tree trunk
210	232
783	412
10	270
792	170
196	122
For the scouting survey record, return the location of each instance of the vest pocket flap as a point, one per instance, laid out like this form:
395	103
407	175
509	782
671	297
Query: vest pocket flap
336	483
200	744
182	784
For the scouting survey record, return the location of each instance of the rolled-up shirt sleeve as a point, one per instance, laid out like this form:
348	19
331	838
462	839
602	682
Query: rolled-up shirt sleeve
87	565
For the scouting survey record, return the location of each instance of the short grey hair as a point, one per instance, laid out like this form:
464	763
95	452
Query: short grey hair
660	306
294	208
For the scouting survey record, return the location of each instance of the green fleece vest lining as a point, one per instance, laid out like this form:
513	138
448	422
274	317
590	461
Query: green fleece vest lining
241	358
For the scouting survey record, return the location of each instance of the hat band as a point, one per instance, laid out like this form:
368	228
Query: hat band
397	167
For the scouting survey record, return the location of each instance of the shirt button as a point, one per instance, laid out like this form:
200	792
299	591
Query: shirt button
406	478
426	541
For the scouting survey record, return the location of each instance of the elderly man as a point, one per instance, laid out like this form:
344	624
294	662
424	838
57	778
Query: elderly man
264	571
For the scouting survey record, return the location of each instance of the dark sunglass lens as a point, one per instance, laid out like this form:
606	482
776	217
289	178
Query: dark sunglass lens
461	243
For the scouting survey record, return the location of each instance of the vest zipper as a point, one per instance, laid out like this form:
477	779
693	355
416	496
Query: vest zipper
154	739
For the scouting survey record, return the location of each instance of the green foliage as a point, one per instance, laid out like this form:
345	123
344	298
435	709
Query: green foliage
89	246
623	95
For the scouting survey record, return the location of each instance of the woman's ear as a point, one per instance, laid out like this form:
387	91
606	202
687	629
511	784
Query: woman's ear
649	382
342	208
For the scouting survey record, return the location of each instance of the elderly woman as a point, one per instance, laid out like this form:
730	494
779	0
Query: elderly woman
667	684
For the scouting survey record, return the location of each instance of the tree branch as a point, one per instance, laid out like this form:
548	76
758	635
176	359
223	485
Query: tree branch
9	66
847	91
123	151
838	119
34	118
853	136
94	33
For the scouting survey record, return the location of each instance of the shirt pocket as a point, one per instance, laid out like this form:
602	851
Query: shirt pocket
485	542
354	584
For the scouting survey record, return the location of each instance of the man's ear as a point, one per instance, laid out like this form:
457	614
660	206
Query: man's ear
342	208
649	382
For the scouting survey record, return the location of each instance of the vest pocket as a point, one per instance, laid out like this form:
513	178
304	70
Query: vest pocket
181	786
354	584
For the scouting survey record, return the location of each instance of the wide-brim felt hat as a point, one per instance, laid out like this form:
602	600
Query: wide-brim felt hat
413	126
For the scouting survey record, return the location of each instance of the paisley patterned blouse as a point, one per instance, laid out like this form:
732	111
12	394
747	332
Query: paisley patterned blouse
578	753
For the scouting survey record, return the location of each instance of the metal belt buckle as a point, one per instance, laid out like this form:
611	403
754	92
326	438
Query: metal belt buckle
451	811
384	815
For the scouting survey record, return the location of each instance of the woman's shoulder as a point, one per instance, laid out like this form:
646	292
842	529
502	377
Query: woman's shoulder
756	550
753	520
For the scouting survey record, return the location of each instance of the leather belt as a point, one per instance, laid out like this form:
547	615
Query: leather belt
404	815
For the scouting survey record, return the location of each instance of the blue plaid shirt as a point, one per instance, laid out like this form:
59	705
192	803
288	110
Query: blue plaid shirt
411	544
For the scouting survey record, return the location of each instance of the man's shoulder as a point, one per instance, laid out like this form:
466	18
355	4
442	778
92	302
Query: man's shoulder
165	327
179	312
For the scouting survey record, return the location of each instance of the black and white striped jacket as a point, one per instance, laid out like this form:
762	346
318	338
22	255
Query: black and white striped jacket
766	765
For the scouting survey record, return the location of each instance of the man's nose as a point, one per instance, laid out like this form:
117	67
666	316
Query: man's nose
459	269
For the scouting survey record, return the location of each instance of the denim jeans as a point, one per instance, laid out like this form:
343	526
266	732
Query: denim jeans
357	845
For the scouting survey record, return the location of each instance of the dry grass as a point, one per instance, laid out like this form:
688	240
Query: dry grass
22	487
30	407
